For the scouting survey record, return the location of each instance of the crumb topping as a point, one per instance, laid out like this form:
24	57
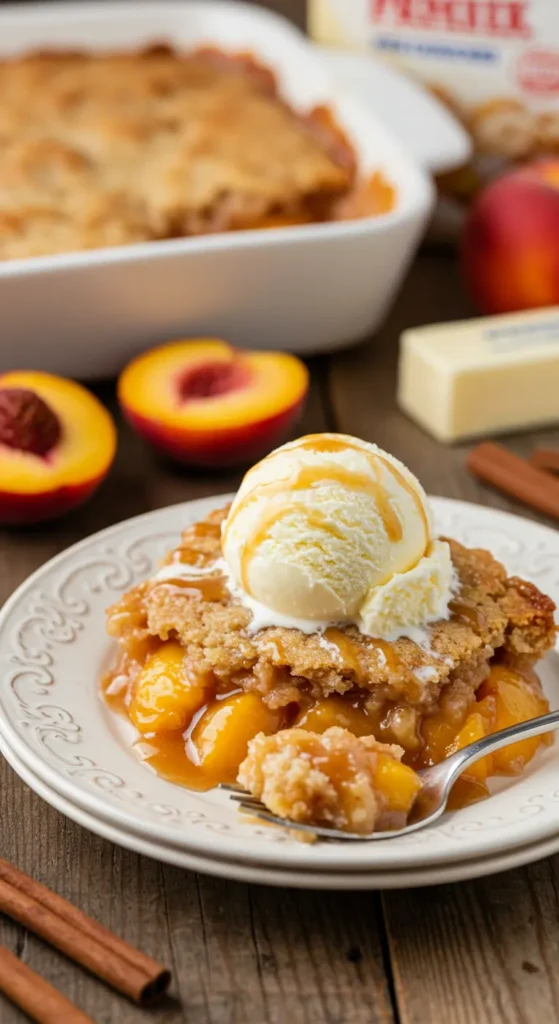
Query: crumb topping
491	612
110	149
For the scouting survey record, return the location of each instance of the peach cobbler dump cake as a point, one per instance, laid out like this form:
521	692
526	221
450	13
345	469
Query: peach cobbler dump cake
319	716
109	149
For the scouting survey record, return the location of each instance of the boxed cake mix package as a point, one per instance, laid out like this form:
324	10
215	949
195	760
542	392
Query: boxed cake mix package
494	63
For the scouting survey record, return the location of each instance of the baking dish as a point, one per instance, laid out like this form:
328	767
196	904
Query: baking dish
422	124
305	289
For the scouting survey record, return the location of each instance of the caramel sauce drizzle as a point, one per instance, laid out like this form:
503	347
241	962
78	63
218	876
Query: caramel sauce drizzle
205	580
211	588
468	613
308	476
313	517
184	553
319	443
350	651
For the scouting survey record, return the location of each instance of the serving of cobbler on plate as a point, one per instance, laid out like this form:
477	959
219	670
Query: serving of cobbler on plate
317	642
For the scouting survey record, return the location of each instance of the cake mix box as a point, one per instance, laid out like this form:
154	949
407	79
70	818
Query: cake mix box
495	63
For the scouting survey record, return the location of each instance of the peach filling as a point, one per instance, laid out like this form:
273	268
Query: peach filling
198	737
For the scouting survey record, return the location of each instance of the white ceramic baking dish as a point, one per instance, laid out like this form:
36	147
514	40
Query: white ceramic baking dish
407	109
305	289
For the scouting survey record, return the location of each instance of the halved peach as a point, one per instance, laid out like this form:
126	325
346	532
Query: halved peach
205	403
57	443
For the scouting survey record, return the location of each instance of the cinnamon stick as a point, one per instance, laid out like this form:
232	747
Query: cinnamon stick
80	937
34	995
546	458
513	475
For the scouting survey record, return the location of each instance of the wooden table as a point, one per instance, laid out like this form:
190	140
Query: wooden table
485	951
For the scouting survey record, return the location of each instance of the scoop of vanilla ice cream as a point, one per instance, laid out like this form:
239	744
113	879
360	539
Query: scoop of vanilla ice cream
324	525
410	600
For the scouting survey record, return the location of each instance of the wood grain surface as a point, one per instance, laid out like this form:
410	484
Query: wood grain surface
484	952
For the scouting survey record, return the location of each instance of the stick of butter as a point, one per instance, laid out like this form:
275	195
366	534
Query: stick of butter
482	376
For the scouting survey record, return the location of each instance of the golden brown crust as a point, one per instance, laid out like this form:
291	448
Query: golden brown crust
106	149
530	616
491	613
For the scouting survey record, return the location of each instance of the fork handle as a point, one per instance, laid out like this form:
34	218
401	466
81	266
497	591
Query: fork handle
459	761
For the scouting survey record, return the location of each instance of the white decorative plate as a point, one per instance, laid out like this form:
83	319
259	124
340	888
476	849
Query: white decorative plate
270	875
53	650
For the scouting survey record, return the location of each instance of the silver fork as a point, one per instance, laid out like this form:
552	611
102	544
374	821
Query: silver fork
430	802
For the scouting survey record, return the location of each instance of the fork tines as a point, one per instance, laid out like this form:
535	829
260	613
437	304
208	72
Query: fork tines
242	796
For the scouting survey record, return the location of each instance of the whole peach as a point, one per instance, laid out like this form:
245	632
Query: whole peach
510	245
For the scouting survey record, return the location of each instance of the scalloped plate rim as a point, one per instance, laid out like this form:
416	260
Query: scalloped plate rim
404	878
393	853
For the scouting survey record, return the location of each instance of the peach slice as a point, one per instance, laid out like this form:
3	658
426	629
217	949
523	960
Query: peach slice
438	731
517	699
334	711
205	403
165	698
57	443
222	735
398	784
